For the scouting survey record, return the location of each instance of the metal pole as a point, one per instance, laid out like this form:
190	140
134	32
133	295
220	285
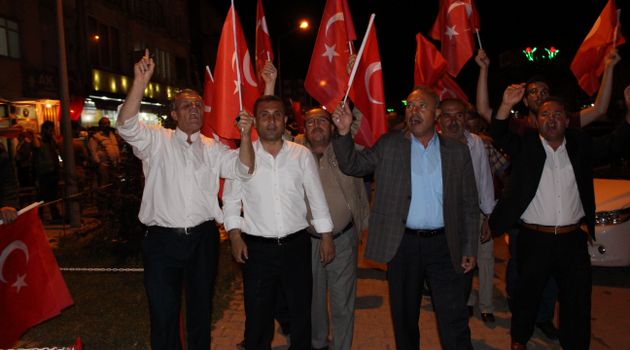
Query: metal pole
72	207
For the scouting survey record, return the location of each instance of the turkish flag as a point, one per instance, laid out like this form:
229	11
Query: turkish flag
430	64
430	70
454	27
264	50
588	63
368	94
225	99
447	88
32	289
327	78
208	92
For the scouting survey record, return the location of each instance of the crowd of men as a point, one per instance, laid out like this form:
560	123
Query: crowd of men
296	211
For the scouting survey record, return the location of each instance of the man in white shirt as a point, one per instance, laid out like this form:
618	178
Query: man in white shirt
550	197
180	208
452	121
271	240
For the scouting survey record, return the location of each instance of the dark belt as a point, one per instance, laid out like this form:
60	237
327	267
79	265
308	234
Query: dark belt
424	233
271	240
336	235
556	230
181	231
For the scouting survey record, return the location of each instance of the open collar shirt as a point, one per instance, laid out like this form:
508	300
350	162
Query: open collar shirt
273	201
181	179
557	199
426	207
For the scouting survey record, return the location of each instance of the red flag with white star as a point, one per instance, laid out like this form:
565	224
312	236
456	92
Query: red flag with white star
588	63
327	78
455	26
206	129
368	94
264	50
430	70
32	289
226	76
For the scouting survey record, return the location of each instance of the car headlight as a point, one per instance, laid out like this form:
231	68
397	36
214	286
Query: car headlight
612	217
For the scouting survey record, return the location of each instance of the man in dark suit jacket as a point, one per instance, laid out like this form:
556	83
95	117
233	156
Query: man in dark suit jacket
551	194
424	219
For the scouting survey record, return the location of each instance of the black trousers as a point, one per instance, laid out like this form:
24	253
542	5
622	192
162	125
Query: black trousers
271	266
564	257
417	259
173	262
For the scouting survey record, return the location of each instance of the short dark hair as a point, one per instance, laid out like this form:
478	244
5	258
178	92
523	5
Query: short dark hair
537	79
558	100
179	94
268	98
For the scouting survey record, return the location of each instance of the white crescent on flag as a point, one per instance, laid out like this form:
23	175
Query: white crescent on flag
334	18
15	245
263	23
246	68
371	69
467	6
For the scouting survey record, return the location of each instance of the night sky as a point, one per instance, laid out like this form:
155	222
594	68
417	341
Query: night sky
564	25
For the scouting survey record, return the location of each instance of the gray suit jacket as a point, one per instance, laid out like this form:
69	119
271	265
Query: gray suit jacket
390	160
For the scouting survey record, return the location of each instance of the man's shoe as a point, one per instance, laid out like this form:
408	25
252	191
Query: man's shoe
549	330
487	317
518	346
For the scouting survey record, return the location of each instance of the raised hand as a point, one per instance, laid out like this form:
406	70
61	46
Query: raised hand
269	75
482	59
143	69
342	118
244	123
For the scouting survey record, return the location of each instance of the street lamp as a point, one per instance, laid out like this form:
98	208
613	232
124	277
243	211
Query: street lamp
303	26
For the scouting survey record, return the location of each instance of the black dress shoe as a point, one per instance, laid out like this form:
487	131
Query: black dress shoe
549	330
487	317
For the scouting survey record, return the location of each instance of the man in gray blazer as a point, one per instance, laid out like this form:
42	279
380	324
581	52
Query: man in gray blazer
424	218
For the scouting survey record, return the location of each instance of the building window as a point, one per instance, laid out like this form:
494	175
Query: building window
104	45
9	38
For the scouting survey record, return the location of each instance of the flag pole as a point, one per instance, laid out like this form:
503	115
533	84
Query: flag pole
358	59
238	65
209	73
478	38
616	29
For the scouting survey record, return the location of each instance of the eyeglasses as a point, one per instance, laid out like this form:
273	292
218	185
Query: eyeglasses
535	91
312	121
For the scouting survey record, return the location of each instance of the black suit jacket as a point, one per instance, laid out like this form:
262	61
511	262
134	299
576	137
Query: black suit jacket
528	159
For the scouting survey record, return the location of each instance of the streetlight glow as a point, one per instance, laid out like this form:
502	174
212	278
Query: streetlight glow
304	25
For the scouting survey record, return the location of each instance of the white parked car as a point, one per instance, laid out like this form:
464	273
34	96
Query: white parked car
612	223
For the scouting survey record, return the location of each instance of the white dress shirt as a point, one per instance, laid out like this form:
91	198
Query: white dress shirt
557	200
273	200
181	179
483	174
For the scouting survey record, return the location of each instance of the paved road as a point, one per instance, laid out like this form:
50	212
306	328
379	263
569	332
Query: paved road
373	328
